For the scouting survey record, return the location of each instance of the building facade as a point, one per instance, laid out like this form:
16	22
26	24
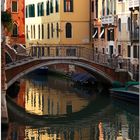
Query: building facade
56	22
17	34
134	31
123	32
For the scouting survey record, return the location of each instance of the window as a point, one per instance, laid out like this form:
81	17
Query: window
56	6
95	32
107	6
135	52
30	11
92	6
96	8
38	31
47	8
103	7
57	30
96	50
26	11
68	30
102	32
27	32
119	49
42	31
69	109
31	31
34	31
110	35
103	50
40	9
14	6
15	30
48	30
68	5
128	23
119	22
52	29
51	6
129	51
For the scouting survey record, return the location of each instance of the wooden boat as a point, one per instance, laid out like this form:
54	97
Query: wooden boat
130	92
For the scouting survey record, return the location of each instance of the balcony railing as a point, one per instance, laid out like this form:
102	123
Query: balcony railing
135	36
109	19
133	3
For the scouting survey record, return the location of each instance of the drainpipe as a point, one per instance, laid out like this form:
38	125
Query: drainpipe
90	36
131	29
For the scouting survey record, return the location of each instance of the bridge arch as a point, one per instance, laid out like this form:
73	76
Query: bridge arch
84	65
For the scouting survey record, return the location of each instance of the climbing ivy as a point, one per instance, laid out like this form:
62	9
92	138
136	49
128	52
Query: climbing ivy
6	20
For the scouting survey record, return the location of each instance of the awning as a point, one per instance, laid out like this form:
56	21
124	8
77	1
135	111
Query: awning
94	34
101	33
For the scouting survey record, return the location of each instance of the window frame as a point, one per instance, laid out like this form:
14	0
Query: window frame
12	6
68	33
66	6
15	35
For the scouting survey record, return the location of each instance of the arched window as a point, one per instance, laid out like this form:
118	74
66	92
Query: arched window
56	6
15	30
68	30
119	22
48	8
128	23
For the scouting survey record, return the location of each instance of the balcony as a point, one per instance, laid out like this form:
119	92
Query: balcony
135	36
133	3
109	20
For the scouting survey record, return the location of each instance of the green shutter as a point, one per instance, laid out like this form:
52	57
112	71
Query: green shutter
56	6
33	10
26	12
64	5
37	9
71	5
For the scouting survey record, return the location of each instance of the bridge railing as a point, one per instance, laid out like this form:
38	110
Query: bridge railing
80	53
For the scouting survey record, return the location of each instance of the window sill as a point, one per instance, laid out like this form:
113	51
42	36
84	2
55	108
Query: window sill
14	12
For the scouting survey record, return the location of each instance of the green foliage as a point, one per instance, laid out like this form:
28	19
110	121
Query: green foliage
6	20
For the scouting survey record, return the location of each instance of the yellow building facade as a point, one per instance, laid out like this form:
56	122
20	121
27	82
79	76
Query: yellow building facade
57	22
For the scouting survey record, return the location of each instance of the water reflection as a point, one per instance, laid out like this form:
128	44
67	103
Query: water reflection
92	117
45	100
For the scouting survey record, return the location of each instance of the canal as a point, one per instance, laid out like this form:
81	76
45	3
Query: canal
53	108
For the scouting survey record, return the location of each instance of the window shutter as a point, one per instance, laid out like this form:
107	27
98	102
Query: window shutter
56	6
26	11
64	5
37	9
71	5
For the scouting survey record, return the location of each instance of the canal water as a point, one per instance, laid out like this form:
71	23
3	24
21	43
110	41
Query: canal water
52	108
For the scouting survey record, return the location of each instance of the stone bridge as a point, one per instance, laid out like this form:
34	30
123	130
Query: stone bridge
38	56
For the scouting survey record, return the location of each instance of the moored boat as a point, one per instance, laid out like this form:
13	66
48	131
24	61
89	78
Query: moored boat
130	92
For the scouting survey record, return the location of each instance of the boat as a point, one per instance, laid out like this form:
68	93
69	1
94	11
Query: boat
129	92
83	79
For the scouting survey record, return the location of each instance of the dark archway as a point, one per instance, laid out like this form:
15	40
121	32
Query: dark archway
8	58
